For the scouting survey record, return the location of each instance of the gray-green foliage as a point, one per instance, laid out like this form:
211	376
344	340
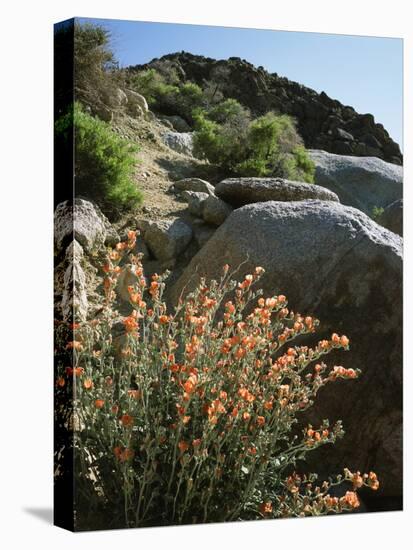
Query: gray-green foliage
104	162
166	94
96	74
376	212
266	146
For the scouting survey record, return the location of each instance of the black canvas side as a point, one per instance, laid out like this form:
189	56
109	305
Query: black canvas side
63	191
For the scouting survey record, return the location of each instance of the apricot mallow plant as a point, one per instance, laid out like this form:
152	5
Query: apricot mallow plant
192	416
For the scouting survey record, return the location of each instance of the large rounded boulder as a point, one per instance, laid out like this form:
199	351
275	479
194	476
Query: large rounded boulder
241	191
334	262
362	182
84	221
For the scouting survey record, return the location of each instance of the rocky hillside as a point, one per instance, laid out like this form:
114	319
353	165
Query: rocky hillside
318	242
323	122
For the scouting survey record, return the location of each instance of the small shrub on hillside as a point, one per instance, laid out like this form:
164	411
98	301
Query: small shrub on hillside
191	416
376	212
104	162
168	96
221	134
266	146
153	85
96	74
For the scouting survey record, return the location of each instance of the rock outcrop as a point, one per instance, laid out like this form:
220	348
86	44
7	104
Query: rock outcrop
215	211
241	191
175	122
166	239
323	122
334	262
83	221
137	105
195	202
362	182
74	304
193	184
181	142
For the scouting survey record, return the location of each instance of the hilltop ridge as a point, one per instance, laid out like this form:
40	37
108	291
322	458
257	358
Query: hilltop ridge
324	123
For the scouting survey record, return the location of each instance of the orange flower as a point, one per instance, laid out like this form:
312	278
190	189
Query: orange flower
351	499
114	255
115	409
183	446
196	443
131	323
344	341
99	403
260	420
126	420
60	381
308	321
154	289
88	384
246	416
134	394
372	481
246	283
77	371
341	372
357	480
164	319
330	502
335	338
324	344
135	297
292	483
240	353
190	384
266	508
268	405
74	345
123	454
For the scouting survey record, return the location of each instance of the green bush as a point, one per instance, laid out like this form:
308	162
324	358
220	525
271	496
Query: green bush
376	212
96	74
104	162
266	146
166	95
151	84
221	134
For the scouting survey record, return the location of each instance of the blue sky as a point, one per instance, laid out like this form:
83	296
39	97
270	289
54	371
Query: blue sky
364	72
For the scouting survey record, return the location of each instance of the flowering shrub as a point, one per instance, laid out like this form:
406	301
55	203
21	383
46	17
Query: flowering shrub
192	416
